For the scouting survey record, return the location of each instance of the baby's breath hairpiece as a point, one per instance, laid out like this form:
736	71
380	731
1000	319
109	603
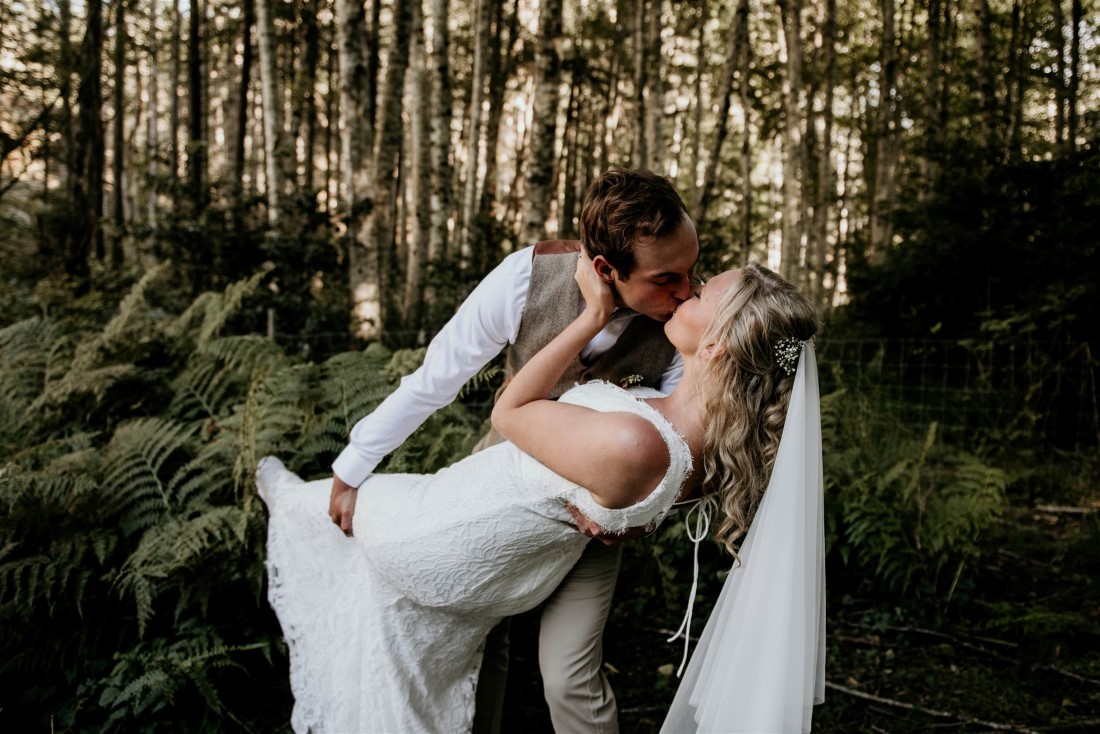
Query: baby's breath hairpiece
787	351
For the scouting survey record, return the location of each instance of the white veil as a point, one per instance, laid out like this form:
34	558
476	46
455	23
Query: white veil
759	667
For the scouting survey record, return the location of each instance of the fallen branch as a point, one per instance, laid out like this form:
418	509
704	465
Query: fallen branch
1063	510
927	711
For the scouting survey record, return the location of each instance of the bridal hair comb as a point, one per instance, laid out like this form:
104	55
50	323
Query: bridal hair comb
787	351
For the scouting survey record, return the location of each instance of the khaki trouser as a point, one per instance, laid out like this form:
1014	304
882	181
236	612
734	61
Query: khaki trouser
570	652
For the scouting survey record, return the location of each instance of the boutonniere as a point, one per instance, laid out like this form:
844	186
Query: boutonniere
630	380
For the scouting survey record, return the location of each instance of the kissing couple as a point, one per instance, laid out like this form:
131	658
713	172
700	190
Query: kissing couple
631	387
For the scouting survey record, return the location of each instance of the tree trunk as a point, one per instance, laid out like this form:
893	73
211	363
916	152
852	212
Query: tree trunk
242	106
304	105
933	143
882	194
442	192
153	142
641	81
85	236
986	77
697	121
655	93
744	95
174	85
274	170
1077	11
369	259
1059	72
721	126
118	143
357	136
487	231
419	94
794	152
486	8
331	123
544	123
826	186
195	147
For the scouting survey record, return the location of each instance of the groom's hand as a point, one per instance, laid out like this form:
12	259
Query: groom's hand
587	527
341	504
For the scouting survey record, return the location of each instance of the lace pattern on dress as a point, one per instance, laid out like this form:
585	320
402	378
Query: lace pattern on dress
608	398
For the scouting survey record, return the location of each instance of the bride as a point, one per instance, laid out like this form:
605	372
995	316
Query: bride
386	628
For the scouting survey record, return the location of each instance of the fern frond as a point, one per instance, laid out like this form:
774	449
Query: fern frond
131	317
134	485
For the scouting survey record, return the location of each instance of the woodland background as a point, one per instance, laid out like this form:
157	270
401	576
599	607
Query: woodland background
227	227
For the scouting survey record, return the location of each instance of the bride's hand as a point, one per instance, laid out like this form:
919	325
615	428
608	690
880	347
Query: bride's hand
599	298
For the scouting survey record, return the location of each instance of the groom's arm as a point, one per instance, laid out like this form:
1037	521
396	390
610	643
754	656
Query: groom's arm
485	322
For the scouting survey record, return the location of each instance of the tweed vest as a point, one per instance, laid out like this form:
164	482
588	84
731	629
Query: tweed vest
639	357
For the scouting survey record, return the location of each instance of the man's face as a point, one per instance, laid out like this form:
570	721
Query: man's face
663	272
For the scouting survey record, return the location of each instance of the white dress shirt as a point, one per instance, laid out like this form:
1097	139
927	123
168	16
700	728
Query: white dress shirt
484	324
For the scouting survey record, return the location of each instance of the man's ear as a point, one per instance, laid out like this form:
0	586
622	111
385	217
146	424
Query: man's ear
605	270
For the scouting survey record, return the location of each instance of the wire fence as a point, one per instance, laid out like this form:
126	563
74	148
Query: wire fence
1024	392
1015	392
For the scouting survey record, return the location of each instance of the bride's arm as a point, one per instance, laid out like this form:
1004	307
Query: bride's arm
618	457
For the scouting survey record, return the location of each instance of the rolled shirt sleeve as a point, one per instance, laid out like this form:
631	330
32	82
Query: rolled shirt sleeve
484	324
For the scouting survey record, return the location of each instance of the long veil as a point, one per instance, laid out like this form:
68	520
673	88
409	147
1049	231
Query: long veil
759	667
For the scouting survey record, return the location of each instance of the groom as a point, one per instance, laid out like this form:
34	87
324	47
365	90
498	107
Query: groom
643	244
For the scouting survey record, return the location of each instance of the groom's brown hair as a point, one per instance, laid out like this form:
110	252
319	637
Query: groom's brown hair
625	207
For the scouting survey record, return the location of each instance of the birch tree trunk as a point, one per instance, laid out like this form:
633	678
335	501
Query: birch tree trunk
641	81
826	186
369	257
793	145
544	124
744	96
986	77
152	135
420	174
118	144
881	232
473	144
721	126
442	191
174	85
195	147
1076	14
274	172
655	93
356	138
1059	71
241	129
486	221
303	103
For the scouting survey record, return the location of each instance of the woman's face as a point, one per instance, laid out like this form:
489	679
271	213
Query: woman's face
686	327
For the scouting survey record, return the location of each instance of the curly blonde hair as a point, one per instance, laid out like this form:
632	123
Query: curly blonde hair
746	392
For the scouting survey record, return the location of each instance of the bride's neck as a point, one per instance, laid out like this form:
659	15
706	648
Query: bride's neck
685	406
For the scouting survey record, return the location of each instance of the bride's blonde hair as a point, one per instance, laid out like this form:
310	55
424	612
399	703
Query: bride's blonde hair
746	392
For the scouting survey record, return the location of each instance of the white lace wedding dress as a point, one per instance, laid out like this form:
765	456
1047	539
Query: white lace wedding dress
386	629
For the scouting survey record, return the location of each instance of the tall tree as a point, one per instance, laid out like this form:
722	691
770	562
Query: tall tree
240	130
357	135
544	125
442	197
153	134
275	169
418	93
85	237
655	91
196	146
485	11
118	146
825	189
370	256
794	151
724	95
885	163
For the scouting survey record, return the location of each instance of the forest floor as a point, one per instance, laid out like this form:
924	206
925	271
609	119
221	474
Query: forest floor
1017	649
